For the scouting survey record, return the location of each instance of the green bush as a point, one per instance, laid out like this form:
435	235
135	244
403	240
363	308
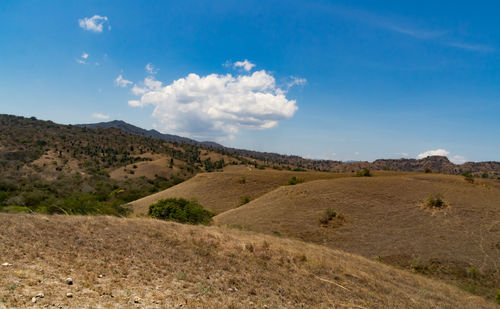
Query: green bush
498	296
16	209
428	170
468	177
365	172
3	197
244	199
180	210
295	180
77	204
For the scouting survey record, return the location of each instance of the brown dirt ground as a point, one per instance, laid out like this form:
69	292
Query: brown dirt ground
114	262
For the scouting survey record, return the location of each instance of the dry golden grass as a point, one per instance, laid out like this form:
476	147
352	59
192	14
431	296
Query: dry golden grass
383	219
159	166
221	191
114	262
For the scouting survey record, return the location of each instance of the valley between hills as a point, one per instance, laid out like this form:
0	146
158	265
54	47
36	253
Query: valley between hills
285	232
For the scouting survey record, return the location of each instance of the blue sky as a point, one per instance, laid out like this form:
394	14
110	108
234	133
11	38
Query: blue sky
344	80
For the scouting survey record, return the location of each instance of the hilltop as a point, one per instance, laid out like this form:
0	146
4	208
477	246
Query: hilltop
147	263
223	191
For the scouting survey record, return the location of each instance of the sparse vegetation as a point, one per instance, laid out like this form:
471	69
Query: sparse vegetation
435	201
196	266
244	200
327	216
365	172
180	210
428	170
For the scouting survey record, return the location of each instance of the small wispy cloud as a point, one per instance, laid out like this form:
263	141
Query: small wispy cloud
416	33
296	81
151	69
471	47
403	154
245	65
394	23
122	82
408	27
94	23
83	58
458	159
100	116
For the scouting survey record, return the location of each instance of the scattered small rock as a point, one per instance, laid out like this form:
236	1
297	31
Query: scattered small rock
101	276
40	295
137	300
34	299
69	295
6	264
69	281
233	289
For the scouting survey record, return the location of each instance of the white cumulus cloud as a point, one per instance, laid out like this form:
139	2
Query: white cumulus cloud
457	159
215	106
94	23
121	82
437	152
100	116
245	64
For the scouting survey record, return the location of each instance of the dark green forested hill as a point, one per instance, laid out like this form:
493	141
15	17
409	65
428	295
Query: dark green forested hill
48	167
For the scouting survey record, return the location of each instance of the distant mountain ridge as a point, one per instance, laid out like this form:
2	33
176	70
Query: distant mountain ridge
129	128
439	164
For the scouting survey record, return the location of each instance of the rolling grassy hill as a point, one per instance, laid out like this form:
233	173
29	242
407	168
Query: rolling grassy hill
131	263
383	218
380	217
222	191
